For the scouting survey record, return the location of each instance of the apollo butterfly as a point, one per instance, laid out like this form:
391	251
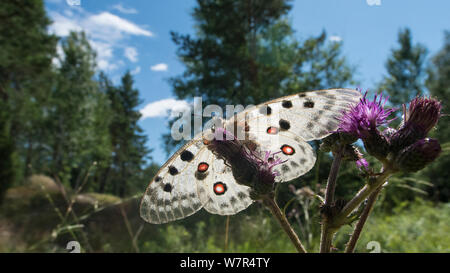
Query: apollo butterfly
198	177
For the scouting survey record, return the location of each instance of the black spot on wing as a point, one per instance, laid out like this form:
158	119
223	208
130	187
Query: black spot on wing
173	170
284	124
286	104
308	104
167	188
186	156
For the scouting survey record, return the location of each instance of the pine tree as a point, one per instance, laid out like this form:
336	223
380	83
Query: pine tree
129	152
406	70
26	54
79	114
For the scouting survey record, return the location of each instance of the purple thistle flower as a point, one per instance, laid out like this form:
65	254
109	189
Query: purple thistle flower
265	166
365	117
422	115
249	167
360	163
416	156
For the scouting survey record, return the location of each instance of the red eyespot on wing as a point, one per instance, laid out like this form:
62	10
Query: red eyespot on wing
219	188
287	150
272	130
202	167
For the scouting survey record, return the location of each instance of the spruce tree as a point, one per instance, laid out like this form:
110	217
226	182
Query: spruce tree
129	151
406	70
26	54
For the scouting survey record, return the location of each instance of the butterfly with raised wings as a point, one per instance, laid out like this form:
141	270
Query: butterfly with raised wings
216	178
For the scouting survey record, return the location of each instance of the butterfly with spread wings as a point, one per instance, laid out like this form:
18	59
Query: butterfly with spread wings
214	177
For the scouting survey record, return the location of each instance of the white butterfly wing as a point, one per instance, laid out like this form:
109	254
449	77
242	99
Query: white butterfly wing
191	179
219	192
172	194
294	120
298	155
310	115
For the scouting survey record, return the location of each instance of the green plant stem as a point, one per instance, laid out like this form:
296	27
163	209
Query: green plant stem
227	230
269	201
327	232
362	195
362	220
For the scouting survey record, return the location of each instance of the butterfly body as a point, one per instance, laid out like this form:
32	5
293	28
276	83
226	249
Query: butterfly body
246	165
225	168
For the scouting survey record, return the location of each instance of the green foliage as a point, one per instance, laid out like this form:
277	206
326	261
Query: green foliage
438	84
78	116
8	168
319	65
254	233
411	227
127	141
26	56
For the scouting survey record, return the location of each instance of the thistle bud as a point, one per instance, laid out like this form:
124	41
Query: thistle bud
422	115
377	145
416	156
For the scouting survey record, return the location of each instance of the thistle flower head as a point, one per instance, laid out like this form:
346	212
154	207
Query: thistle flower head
416	156
265	165
365	117
424	113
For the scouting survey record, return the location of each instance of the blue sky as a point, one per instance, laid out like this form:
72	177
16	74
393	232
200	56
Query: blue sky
135	35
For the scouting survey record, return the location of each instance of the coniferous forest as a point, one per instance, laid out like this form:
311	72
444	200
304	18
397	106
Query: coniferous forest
75	161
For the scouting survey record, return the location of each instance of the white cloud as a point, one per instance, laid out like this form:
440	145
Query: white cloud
335	38
373	2
104	55
111	23
131	54
136	71
106	33
125	10
73	2
164	108
159	67
62	25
